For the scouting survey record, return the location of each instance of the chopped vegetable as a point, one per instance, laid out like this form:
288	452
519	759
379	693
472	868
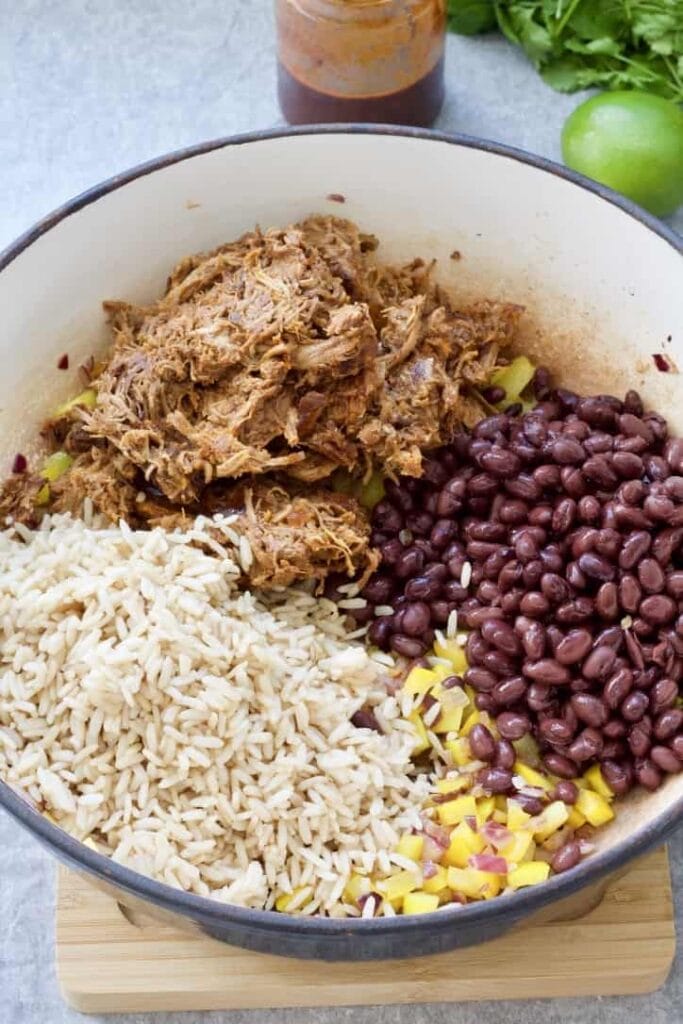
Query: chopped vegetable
43	495
56	465
410	846
514	378
470	17
530	873
582	44
420	903
86	399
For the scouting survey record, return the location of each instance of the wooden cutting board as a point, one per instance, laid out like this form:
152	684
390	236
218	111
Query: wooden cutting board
106	964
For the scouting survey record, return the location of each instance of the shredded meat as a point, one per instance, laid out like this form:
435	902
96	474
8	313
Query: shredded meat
276	360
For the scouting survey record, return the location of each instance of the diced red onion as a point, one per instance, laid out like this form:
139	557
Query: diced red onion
489	862
432	849
429	869
471	821
495	834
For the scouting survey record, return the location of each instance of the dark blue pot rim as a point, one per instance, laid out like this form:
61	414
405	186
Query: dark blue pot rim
200	908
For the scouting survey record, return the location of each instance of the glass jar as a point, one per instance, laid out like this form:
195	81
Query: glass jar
361	60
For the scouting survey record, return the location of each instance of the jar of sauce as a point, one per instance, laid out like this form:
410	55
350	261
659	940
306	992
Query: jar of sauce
361	60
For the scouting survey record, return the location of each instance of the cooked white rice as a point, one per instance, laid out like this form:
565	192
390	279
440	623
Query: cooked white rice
195	732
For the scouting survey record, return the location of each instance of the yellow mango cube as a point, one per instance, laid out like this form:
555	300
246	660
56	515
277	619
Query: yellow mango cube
575	819
485	808
438	882
517	817
453	784
421	738
459	749
464	842
397	887
596	780
532	777
410	846
420	903
419	681
357	886
528	874
453	812
551	818
478	885
451	651
594	807
449	720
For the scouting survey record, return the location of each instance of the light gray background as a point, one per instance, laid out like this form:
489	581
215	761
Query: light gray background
89	88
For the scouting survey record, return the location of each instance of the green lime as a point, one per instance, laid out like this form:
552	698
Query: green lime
632	142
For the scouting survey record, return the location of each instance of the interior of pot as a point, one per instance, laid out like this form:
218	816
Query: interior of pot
602	287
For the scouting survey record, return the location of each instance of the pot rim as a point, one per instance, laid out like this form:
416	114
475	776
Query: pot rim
204	908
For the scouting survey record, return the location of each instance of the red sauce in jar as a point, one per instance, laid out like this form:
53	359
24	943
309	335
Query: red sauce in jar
361	60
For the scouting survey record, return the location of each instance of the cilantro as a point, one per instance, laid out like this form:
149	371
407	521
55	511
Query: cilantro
580	44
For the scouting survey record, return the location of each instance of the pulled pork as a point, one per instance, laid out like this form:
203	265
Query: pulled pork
274	361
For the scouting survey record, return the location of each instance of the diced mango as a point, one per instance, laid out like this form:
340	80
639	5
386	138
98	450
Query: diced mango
518	848
517	817
464	842
397	887
454	811
596	780
530	873
532	777
453	784
449	720
420	903
551	818
410	846
437	882
594	807
500	816
472	719
485	807
575	819
421	739
454	653
459	749
476	884
419	681
357	886
513	378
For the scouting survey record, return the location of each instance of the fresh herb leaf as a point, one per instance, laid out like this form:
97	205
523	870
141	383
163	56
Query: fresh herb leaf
579	44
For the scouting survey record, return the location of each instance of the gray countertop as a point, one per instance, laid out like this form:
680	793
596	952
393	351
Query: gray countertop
89	88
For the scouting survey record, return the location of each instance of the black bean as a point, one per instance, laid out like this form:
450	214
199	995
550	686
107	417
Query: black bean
674	584
407	646
567	857
632	425
666	542
535	605
596	567
614	729
676	745
639	741
599	663
506	755
379	632
415	618
530	804
573	481
499	664
589	709
512	725
547	477
532	572
668	723
442	533
509	691
573	612
409	563
586	746
665	759
656	468
618	776
658	609
482	743
480	678
634	706
630	594
673	453
546	671
560	764
633	403
673	486
364	718
496	780
524	486
541	515
484	702
555	731
647	774
440	611
663	695
502	636
617	687
499	462
574	646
